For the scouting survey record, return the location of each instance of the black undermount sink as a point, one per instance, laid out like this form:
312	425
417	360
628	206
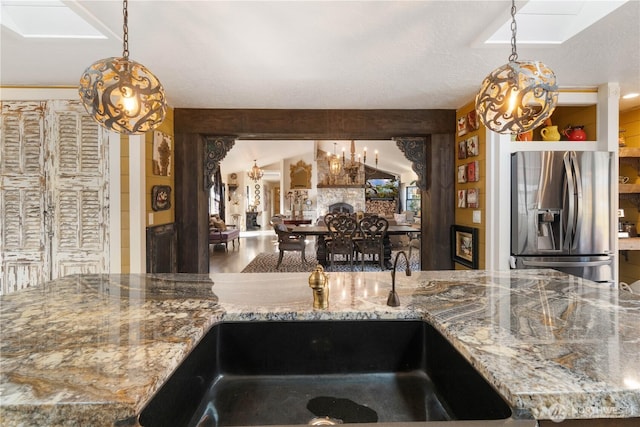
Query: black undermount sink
323	372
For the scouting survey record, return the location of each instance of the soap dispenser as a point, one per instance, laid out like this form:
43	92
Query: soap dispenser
319	283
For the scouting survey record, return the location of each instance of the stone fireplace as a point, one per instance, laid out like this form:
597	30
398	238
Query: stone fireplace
328	196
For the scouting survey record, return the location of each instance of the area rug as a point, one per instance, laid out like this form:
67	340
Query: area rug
291	263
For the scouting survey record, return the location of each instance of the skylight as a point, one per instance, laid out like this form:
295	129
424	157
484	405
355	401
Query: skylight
553	22
46	19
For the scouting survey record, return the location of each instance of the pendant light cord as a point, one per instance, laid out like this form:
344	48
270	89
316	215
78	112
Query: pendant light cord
125	29
514	53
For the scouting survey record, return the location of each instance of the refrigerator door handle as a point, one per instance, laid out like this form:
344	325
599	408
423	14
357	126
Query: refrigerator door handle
566	263
568	198
578	205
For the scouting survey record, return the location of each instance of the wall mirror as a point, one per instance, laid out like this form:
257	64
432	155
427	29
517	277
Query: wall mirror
300	175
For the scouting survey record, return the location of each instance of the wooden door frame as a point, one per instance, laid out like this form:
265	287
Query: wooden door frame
191	126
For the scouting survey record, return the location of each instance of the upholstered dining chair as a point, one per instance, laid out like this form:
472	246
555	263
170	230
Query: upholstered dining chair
371	239
288	241
342	230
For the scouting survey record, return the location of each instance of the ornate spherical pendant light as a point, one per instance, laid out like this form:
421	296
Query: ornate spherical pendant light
520	95
123	95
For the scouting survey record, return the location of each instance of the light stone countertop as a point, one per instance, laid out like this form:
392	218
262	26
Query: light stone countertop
92	349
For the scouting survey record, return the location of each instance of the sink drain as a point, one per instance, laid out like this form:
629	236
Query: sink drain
324	421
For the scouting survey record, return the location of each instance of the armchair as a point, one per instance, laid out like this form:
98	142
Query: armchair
288	241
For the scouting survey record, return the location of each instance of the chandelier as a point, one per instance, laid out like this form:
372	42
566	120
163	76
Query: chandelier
353	168
123	95
255	173
518	96
335	167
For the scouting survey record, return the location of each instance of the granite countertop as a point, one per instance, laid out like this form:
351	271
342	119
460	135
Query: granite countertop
92	349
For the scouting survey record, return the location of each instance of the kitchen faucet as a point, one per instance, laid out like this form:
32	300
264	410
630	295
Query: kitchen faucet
394	300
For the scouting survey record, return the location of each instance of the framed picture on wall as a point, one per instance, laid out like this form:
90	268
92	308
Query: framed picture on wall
462	198
462	125
161	154
472	146
160	197
473	172
472	121
464	246
462	174
473	198
462	149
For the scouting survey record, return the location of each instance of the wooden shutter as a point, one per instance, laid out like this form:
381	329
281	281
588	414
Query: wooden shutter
78	184
23	256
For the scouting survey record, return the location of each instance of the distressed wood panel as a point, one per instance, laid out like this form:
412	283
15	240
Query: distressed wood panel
80	191
22	139
22	219
79	267
54	201
23	258
20	275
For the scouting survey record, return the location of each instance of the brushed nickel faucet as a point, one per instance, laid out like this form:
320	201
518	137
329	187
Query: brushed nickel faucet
394	300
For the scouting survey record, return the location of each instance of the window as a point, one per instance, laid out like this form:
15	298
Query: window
413	199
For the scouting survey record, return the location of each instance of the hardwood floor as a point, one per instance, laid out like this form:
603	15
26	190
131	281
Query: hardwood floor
251	244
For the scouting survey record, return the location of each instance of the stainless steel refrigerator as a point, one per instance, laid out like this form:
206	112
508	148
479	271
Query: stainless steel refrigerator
561	212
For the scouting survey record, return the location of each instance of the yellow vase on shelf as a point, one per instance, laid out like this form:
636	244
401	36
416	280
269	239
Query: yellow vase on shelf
550	133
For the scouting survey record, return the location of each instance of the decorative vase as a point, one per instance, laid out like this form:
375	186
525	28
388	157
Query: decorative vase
550	133
525	136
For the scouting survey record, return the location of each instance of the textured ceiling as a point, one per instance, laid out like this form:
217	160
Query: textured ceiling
322	54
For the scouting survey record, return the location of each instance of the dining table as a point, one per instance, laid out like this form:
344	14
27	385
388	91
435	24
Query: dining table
321	232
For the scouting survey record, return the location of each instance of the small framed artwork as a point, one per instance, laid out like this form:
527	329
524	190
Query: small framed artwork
462	174
161	154
462	198
472	121
464	246
473	174
472	146
473	198
462	125
160	197
462	149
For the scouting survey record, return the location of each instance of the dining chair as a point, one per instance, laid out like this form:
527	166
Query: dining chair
342	230
371	239
288	241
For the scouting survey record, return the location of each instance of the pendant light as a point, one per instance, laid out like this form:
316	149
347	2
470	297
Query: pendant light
255	173
518	96
335	167
123	95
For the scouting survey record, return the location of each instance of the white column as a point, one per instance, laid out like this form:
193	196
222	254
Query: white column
498	194
137	206
115	229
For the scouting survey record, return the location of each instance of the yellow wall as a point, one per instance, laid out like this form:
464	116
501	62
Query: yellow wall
160	217
630	121
564	117
463	216
125	245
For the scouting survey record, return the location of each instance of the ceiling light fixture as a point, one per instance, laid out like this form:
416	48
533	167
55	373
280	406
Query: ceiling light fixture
518	96
352	168
255	173
123	95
